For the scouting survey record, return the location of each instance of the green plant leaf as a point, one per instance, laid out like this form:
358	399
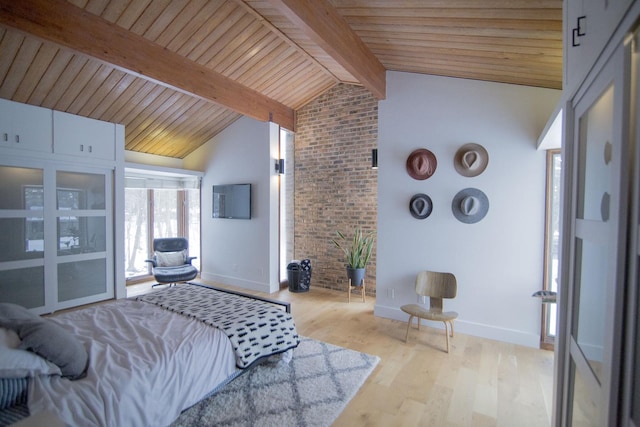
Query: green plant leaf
358	249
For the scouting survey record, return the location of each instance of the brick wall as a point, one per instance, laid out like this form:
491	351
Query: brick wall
335	187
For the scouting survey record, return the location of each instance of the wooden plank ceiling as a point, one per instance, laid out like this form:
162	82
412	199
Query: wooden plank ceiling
284	51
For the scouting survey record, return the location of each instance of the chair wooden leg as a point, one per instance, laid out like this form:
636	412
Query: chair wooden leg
363	290
446	333
451	323
349	292
406	338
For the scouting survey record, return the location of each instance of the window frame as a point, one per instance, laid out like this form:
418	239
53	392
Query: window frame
547	341
182	221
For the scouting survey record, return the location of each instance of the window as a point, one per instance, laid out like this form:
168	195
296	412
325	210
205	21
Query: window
549	311
286	202
158	206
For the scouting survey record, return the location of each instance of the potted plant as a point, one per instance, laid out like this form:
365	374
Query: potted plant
358	251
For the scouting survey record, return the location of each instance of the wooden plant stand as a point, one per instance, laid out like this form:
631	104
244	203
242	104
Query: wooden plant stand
362	290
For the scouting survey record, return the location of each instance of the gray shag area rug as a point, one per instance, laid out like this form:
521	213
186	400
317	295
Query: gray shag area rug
311	390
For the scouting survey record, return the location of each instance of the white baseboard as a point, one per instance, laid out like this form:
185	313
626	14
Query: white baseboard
470	328
236	281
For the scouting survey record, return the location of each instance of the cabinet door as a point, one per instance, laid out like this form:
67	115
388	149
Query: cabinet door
6	127
631	400
594	249
56	235
81	136
84	224
22	237
25	127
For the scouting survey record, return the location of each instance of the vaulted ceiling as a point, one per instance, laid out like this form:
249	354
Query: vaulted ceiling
177	72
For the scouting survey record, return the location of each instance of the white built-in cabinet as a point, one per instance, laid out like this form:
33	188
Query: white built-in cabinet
588	26
598	340
59	209
25	127
79	136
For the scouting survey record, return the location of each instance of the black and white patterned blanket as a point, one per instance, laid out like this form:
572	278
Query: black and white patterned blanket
255	328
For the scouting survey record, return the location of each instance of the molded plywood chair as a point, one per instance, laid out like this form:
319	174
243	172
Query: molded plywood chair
171	261
436	286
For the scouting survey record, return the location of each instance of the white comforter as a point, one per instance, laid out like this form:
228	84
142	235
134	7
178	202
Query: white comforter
146	365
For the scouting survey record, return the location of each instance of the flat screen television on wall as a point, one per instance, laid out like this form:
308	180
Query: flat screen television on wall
232	201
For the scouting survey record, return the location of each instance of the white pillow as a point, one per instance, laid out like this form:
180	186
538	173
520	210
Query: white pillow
16	363
170	259
9	338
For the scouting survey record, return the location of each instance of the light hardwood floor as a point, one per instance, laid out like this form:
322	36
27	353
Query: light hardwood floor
479	383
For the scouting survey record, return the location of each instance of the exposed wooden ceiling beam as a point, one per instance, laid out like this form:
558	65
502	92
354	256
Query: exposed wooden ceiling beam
64	24
322	23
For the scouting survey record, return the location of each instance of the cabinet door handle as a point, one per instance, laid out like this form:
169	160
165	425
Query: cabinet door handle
81	147
5	137
91	148
574	35
581	31
578	31
18	139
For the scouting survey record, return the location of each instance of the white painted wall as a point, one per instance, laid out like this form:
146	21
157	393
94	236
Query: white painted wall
240	252
499	261
152	160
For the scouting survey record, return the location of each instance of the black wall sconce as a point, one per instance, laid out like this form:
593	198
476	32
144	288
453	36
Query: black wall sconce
374	158
280	166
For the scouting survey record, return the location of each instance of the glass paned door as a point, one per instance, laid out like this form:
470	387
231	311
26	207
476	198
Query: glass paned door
22	236
595	277
631	402
83	222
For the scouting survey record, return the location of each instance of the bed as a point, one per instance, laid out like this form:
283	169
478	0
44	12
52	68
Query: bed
152	357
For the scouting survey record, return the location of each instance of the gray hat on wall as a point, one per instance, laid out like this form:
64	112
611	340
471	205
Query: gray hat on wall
420	206
470	205
471	160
